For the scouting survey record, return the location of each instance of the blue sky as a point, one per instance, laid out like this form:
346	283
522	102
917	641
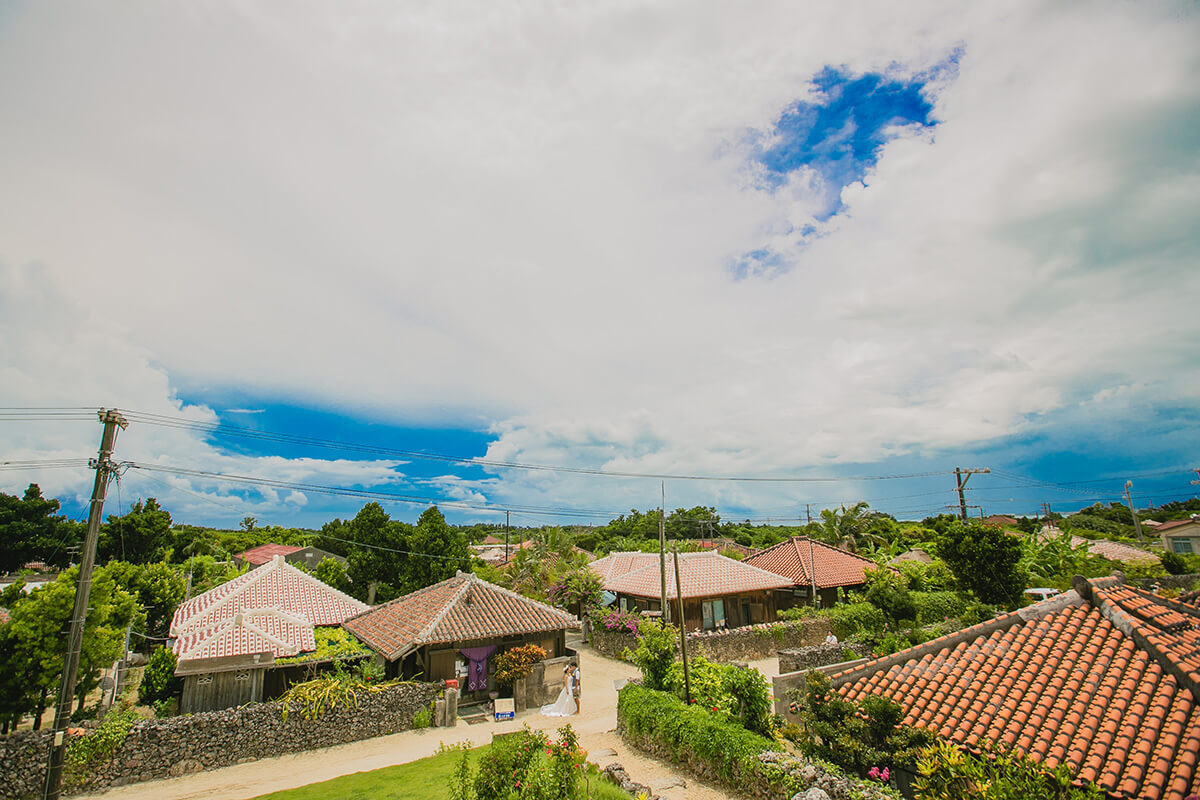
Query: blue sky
653	240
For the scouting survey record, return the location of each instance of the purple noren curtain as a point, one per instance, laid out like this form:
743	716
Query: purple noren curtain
477	658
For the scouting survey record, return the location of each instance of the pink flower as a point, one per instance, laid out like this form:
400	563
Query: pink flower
883	776
873	772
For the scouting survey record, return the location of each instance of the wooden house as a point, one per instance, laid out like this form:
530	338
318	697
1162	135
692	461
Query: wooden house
453	629
227	639
718	592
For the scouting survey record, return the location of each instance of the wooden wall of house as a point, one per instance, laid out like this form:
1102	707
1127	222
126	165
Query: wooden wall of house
800	596
213	691
748	608
437	662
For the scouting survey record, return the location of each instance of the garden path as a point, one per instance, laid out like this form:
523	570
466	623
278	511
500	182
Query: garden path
596	724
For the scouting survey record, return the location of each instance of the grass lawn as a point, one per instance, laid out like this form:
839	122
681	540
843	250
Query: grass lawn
427	779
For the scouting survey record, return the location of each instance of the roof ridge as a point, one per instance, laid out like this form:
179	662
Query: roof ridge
949	641
395	600
1120	619
521	597
440	615
252	577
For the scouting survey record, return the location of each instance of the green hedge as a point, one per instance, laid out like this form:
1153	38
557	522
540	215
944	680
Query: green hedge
691	732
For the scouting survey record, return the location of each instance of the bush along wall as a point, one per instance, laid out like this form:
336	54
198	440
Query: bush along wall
179	745
747	643
715	747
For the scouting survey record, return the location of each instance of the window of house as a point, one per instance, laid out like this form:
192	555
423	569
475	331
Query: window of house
1182	545
713	612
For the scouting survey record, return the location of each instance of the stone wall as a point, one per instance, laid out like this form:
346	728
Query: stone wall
1183	582
179	745
819	655
748	643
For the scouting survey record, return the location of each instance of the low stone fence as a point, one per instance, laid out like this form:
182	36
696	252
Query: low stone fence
820	655
180	745
782	684
544	683
748	643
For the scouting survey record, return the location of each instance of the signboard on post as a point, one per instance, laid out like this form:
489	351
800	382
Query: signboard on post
505	708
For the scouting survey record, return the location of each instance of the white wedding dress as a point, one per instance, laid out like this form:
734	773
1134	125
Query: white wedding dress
564	706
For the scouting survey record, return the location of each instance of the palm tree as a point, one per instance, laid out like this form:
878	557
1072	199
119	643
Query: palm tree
848	527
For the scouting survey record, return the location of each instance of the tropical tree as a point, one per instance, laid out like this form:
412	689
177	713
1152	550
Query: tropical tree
139	537
849	528
32	530
436	552
985	561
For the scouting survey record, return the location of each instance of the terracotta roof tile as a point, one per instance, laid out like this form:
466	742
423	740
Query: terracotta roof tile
463	608
1176	523
704	574
270	609
1116	551
1103	678
834	566
265	552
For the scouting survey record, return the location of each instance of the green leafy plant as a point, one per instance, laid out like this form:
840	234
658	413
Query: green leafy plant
945	772
655	652
333	644
1173	563
94	748
516	663
503	766
333	690
158	679
424	717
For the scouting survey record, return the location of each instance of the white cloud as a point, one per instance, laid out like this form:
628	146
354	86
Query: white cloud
525	218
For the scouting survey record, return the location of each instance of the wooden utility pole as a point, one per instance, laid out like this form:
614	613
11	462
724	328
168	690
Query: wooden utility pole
105	468
662	553
505	537
1136	522
960	476
687	679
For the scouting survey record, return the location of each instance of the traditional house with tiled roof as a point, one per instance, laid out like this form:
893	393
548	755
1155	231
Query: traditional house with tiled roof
1114	551
1180	536
805	562
1001	520
226	639
914	556
1104	679
257	556
718	592
453	628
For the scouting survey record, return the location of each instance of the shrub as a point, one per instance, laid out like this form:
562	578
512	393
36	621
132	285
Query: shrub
424	717
1173	563
888	592
655	652
516	663
851	620
503	766
727	688
856	737
87	751
613	619
158	680
945	772
935	607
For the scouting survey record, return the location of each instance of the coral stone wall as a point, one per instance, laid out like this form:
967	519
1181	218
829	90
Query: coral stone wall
819	655
748	643
179	745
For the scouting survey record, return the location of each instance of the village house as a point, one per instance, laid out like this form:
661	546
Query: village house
227	639
913	556
1180	536
1104	679
718	592
806	562
452	630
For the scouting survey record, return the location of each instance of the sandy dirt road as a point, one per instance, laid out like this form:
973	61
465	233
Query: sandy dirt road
596	725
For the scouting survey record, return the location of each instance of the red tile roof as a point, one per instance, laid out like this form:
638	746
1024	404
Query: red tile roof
916	555
1104	679
1000	519
1115	551
704	574
834	567
270	609
1176	523
489	539
265	552
461	609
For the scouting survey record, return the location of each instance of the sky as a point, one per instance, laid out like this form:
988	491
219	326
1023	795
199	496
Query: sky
864	243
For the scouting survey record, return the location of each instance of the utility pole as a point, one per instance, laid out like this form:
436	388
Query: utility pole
812	569
687	680
662	553
960	476
505	537
808	512
104	466
1136	522
1197	481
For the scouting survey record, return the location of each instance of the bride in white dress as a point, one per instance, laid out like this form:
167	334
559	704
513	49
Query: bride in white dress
564	706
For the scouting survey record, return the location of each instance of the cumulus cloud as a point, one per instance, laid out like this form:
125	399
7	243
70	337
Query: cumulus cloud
525	219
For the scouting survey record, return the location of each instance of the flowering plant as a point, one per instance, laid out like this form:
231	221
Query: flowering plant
616	620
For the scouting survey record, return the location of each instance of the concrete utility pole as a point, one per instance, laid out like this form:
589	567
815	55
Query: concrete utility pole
1137	524
812	568
662	553
505	537
105	468
960	476
687	679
